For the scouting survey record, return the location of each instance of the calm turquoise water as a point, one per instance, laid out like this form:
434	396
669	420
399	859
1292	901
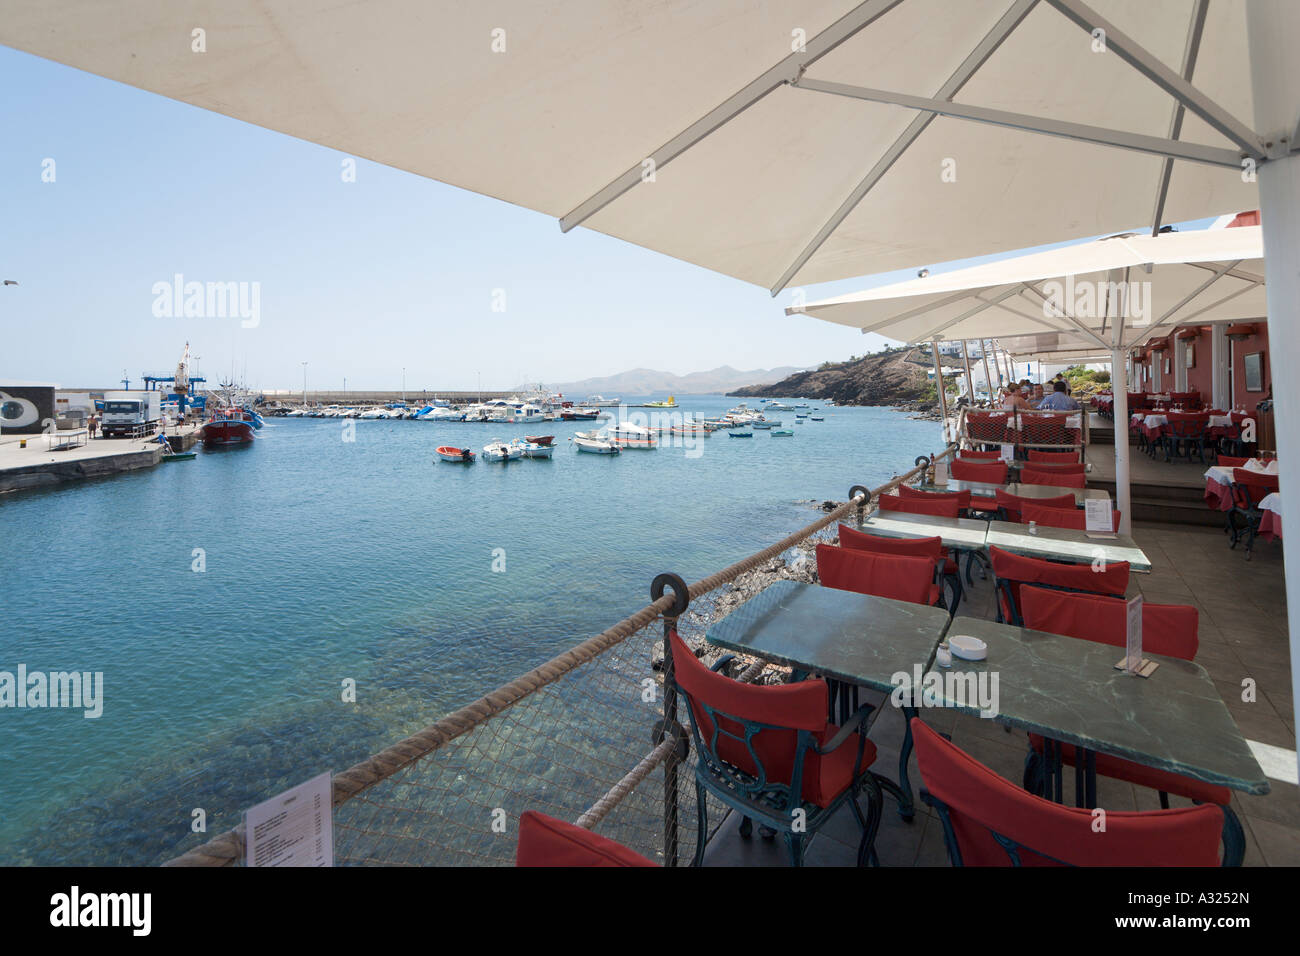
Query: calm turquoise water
328	560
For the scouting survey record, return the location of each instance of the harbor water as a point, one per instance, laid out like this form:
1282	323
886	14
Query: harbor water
229	601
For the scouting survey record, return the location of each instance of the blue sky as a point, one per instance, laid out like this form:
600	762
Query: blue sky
360	280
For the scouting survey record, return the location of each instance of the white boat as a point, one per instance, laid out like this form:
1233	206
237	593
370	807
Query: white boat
628	435
500	451
373	413
531	449
594	446
528	414
778	407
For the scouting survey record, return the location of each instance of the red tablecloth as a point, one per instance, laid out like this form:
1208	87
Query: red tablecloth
1270	526
1218	496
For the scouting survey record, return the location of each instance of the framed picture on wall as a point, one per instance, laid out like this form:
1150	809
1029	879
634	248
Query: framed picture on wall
1255	372
1191	356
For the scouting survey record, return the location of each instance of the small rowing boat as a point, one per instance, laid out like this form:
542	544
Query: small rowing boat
783	433
450	453
740	434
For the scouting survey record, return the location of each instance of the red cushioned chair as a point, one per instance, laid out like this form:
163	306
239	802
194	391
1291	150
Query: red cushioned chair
989	473
970	455
1249	488
989	821
962	497
1073	518
1058	467
767	751
546	841
1225	461
968	501
1011	571
931	548
883	575
1188	430
1168	630
1056	479
1009	504
1054	457
944	507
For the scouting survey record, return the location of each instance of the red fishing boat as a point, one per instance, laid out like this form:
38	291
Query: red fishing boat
230	426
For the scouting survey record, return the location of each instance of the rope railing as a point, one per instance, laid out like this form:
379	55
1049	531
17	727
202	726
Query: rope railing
227	849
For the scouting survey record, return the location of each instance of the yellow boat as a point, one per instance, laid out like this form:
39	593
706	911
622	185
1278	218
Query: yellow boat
671	403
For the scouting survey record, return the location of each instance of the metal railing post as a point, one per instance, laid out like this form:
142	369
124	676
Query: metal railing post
670	724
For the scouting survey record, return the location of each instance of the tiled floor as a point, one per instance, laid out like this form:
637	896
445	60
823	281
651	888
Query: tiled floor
1242	635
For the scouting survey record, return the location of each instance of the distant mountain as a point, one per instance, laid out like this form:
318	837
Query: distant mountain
646	381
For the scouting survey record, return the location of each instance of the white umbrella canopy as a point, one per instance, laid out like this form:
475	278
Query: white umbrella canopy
1200	276
772	164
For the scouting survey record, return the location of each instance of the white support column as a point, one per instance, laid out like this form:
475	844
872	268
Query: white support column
1272	27
1218	396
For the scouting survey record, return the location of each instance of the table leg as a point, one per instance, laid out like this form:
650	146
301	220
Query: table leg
903	790
1090	780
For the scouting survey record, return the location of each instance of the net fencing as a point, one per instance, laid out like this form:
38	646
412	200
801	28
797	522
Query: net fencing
582	738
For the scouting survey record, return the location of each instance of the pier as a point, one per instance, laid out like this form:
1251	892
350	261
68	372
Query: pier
29	461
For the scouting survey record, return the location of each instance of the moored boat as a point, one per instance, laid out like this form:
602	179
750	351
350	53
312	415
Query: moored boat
740	434
500	451
594	446
540	439
628	435
783	433
229	426
532	449
459	455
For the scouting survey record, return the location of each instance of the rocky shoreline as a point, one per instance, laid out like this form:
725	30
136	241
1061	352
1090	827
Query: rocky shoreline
797	564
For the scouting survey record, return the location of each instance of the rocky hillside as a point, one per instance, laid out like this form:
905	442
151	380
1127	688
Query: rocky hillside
898	377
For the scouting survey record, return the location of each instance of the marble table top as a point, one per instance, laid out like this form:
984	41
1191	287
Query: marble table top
1065	544
852	637
1068	689
964	533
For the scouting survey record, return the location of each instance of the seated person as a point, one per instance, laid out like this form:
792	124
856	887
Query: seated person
1059	400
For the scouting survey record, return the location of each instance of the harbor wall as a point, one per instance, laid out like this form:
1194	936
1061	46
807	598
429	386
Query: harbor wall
42	474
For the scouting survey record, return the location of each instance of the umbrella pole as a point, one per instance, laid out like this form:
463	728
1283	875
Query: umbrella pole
1275	78
939	384
1123	490
988	382
970	382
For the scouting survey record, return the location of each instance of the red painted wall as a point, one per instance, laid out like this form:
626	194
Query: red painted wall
1200	378
1256	343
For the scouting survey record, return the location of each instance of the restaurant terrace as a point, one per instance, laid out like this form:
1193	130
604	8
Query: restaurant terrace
949	673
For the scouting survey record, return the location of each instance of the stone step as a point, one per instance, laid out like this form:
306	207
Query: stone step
1170	511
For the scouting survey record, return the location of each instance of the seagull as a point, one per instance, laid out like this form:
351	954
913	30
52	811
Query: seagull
11	281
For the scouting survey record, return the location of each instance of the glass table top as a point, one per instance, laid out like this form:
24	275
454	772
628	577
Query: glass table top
1065	544
1068	689
851	637
964	533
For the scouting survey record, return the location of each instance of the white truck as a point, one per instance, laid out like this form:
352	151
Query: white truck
131	414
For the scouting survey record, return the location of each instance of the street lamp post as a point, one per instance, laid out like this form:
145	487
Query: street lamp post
304	383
